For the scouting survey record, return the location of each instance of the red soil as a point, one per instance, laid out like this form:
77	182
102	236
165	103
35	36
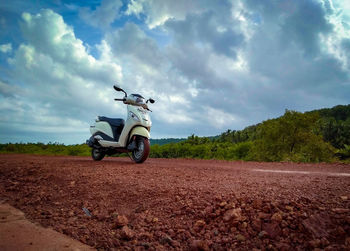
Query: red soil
183	204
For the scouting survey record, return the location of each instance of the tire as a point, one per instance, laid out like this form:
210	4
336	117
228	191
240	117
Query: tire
97	154
142	152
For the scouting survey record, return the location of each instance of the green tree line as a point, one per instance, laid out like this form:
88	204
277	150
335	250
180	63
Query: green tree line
46	149
316	136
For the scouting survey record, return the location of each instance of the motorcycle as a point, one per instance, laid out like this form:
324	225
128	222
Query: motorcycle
114	135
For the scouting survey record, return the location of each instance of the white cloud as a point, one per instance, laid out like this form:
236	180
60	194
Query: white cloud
63	86
218	118
104	15
7	90
210	65
135	7
159	11
337	14
6	48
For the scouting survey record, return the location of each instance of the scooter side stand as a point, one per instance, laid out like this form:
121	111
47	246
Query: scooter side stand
130	156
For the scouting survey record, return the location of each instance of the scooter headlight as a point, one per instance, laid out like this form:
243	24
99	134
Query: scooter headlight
134	117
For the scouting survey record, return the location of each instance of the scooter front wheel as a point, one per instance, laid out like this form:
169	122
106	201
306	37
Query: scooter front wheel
97	154
140	154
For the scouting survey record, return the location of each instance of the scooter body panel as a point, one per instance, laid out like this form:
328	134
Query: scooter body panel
137	117
140	131
102	126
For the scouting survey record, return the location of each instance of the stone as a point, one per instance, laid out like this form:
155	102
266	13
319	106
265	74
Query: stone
316	225
324	242
273	229
315	243
347	242
244	225
199	224
121	221
207	211
262	234
340	210
127	233
223	204
166	239
277	217
232	214
283	246
171	232
340	232
257	203
289	208
240	237
347	219
230	205
145	235
266	208
285	232
199	245
256	224
176	244
264	216
284	224
344	198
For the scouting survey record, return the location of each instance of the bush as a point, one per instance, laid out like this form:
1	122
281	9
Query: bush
292	137
344	153
46	149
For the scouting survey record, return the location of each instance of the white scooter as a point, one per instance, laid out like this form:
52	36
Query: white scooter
114	135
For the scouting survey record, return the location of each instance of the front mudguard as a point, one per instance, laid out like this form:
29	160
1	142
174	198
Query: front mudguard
139	131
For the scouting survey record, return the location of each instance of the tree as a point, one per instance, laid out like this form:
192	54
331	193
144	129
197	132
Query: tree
291	137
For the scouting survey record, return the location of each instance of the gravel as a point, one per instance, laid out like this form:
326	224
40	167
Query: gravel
177	204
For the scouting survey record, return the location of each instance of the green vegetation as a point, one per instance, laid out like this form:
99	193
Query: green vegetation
202	148
292	137
165	141
316	136
46	149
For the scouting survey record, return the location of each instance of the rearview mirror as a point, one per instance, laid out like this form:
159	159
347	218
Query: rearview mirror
117	88
151	100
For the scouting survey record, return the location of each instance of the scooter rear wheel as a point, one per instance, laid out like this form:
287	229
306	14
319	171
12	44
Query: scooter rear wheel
141	153
96	154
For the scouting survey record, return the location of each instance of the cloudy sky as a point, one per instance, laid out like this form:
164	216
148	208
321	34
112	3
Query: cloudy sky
210	65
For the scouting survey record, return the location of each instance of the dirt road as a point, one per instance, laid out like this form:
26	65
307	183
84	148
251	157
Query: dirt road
17	233
183	204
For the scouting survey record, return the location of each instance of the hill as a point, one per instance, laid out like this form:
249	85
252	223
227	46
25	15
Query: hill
314	136
333	124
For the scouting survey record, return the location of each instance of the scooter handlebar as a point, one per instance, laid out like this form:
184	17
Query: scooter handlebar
128	103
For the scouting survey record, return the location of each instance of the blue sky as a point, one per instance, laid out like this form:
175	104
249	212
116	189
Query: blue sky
210	65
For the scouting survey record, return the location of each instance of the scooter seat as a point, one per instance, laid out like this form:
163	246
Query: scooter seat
112	122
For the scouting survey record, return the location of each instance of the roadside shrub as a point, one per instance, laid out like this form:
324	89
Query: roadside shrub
291	137
242	150
344	153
